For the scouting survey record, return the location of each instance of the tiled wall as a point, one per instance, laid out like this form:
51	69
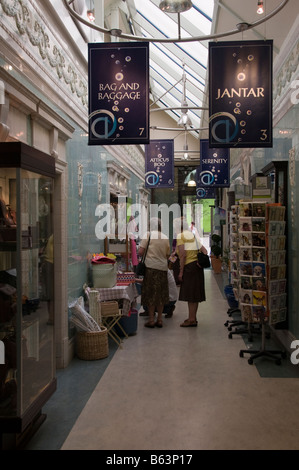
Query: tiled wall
82	203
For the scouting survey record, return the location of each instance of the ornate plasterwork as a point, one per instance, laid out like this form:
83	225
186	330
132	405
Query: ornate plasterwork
80	179
118	179
286	71
27	23
286	74
137	158
129	156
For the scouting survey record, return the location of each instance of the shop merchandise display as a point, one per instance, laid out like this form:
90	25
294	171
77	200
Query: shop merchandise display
258	262
27	359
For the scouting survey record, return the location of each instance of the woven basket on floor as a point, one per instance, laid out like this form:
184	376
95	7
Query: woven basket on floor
92	345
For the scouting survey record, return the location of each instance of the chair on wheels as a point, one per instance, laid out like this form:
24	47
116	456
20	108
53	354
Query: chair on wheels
275	354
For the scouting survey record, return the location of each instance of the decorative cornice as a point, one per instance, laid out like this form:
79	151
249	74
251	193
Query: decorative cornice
129	156
286	70
28	24
286	74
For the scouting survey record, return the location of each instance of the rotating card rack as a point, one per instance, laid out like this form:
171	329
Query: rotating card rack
260	284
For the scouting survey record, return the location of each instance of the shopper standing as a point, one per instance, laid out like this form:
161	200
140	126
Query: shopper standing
191	274
154	291
132	230
193	229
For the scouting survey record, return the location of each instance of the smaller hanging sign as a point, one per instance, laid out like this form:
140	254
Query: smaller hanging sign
159	164
214	169
203	193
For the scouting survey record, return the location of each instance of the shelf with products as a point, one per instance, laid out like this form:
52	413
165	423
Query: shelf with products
276	263
233	247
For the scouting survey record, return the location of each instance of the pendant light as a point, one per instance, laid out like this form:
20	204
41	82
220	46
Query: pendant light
260	7
192	182
175	6
185	148
184	120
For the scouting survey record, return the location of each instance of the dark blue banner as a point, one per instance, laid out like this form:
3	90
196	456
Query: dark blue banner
214	168
240	94
118	93
203	193
159	164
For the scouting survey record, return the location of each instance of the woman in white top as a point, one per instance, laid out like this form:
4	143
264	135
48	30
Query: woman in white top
154	291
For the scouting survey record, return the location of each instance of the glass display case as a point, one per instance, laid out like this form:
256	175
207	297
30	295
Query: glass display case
27	367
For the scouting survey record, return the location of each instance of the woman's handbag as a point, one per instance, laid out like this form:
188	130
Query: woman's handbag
202	259
140	268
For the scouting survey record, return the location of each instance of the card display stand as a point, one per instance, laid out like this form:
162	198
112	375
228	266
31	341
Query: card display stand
234	275
259	272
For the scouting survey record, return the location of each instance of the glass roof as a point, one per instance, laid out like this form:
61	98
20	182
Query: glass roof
169	60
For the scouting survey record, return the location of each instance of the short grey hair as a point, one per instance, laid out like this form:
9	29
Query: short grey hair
155	224
179	225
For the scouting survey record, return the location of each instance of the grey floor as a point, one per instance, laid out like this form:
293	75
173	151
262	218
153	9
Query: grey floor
176	388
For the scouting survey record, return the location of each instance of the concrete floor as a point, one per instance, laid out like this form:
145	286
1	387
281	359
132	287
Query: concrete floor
187	388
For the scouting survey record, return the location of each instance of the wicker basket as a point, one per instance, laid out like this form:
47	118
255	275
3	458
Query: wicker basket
109	308
92	345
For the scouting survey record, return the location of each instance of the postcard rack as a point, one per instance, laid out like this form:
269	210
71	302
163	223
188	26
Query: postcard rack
259	277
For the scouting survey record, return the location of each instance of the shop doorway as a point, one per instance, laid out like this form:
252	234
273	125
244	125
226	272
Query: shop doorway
197	210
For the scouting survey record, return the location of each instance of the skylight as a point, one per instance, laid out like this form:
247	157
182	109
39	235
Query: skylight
167	58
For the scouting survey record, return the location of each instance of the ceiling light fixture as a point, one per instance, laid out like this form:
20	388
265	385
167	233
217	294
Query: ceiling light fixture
67	4
192	183
175	6
260	7
184	120
90	15
190	179
185	155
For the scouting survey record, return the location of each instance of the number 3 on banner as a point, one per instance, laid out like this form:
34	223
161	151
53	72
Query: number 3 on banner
264	134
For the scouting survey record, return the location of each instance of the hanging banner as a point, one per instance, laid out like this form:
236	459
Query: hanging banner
214	168
159	164
118	79
240	94
203	193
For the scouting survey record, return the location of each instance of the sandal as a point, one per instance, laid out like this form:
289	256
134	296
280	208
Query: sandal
159	324
187	323
150	324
